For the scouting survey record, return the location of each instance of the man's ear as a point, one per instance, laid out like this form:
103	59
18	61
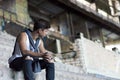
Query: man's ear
39	30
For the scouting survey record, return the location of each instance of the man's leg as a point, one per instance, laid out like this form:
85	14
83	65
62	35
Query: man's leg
17	64
26	65
27	70
50	70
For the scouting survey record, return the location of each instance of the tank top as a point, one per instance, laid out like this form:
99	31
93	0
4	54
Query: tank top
17	53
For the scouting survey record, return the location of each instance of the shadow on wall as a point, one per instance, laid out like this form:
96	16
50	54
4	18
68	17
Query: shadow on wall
13	29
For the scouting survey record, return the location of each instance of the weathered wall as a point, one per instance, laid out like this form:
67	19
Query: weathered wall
60	23
6	47
98	60
22	11
63	71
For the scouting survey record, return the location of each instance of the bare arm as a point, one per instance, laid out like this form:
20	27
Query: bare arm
22	43
42	48
47	54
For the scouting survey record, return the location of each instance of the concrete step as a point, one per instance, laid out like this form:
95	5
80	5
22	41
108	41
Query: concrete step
63	71
6	39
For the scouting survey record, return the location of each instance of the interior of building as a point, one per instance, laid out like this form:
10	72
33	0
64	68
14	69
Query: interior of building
83	34
66	20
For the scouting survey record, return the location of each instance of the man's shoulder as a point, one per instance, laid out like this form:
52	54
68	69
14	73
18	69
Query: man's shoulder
22	35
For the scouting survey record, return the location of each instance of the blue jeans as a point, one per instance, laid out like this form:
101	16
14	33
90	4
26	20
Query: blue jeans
27	67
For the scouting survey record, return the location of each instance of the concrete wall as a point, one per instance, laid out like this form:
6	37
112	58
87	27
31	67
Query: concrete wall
98	60
6	47
22	11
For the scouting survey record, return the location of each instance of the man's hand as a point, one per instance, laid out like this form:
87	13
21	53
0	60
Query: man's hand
48	56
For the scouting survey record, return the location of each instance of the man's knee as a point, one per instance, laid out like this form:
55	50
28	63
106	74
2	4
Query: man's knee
27	62
28	58
51	65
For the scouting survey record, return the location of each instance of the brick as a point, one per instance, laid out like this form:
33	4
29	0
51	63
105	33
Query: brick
63	71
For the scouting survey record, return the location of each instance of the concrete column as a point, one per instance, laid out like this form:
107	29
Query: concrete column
117	9
102	37
117	5
111	7
87	30
114	8
58	46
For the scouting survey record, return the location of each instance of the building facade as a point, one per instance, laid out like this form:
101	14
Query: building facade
80	29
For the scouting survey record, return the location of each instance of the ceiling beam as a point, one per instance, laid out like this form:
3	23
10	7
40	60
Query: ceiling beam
40	9
113	42
111	25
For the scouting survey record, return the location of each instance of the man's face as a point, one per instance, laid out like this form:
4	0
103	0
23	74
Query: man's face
43	33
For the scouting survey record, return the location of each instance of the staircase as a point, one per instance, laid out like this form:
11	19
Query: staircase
6	47
63	71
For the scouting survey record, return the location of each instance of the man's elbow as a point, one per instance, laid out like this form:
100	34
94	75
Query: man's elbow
24	52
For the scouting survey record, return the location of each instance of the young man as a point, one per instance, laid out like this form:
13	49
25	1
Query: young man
26	57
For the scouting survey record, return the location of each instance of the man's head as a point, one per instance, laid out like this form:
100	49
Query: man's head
41	26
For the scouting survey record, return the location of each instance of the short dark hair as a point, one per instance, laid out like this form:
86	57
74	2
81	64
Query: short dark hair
41	24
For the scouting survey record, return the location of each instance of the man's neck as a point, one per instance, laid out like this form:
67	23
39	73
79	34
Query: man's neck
34	35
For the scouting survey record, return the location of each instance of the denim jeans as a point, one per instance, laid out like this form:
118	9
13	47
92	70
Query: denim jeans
27	67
